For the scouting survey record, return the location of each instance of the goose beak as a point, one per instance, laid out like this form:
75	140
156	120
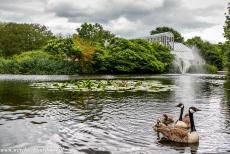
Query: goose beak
198	109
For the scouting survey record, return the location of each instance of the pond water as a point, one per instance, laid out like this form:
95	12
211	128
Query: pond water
104	122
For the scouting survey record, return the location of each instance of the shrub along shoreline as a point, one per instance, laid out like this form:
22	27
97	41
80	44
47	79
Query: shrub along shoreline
37	63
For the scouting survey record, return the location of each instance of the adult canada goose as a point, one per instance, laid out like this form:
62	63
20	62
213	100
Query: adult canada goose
182	122
177	134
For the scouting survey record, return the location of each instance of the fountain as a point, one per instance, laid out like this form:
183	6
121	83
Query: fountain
185	57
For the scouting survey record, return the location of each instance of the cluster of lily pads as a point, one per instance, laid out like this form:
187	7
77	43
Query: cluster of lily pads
106	85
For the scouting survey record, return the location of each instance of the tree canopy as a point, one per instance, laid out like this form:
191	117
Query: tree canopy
64	48
177	36
132	56
16	38
94	33
227	24
210	52
227	34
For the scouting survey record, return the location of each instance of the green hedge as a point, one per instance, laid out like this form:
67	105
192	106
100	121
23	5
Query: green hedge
37	62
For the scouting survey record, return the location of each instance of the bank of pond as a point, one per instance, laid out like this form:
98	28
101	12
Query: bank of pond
43	63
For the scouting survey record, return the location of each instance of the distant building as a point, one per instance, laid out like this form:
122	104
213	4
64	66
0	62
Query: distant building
166	39
184	55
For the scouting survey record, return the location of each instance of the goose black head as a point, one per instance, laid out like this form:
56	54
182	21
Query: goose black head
165	116
157	123
193	109
180	105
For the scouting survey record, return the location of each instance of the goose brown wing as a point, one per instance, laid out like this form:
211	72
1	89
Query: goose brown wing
178	135
173	134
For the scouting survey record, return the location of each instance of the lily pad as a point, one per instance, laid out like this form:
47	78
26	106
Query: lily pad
106	85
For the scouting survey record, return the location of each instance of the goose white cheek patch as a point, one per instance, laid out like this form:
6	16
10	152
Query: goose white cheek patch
192	111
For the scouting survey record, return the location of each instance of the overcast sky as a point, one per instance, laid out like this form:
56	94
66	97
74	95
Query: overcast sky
126	18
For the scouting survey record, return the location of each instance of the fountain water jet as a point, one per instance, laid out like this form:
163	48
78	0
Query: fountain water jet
185	57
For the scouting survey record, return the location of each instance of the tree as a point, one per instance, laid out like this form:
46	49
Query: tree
16	38
210	52
63	48
94	34
132	56
227	33
177	36
227	24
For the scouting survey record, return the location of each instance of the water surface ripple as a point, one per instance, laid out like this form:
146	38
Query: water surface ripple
113	122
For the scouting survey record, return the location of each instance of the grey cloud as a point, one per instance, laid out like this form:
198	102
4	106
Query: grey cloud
170	12
105	11
144	15
20	10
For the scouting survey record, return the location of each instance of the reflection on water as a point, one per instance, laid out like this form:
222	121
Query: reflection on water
180	146
113	122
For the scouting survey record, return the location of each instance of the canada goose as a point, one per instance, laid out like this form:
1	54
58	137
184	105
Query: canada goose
167	119
177	134
182	122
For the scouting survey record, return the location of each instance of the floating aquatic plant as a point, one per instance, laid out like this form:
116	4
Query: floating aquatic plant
106	85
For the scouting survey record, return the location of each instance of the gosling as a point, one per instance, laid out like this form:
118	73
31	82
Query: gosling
167	119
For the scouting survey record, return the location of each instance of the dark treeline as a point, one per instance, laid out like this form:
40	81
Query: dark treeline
33	49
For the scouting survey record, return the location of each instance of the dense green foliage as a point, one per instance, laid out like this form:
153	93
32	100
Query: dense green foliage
16	38
93	50
134	56
227	24
227	34
37	62
63	48
212	53
94	34
177	36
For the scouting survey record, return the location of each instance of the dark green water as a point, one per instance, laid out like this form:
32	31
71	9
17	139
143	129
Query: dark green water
110	122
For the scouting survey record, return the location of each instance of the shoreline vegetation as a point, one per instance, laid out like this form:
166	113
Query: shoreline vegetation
34	50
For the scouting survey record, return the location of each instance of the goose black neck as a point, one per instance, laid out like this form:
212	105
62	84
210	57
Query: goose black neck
181	113
193	129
